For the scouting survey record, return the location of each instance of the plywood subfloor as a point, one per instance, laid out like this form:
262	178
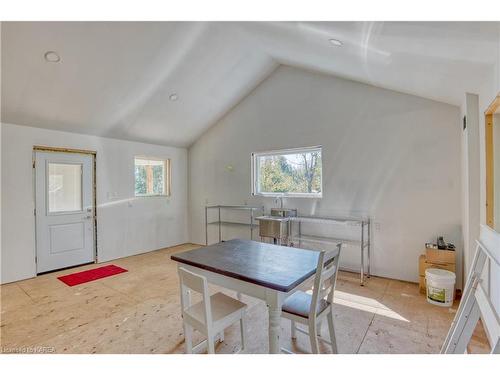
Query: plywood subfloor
139	312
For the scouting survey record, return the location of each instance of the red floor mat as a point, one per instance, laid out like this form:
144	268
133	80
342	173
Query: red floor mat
91	275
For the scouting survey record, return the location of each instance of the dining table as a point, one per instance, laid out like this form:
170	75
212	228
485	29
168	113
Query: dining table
265	271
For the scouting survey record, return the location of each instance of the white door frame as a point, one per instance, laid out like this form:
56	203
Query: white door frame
94	190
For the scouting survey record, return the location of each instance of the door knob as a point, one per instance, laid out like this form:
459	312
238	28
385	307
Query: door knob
88	217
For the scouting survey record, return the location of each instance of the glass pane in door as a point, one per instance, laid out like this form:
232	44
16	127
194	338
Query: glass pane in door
65	187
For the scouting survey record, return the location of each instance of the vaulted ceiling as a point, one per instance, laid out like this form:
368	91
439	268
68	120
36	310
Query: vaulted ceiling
116	79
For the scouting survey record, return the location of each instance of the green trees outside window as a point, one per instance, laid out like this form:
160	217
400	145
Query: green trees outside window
293	173
151	177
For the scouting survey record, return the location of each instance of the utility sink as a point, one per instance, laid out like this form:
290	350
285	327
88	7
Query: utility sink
283	212
272	218
276	225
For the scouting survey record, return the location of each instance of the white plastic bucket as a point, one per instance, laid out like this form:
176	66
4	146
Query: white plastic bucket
440	286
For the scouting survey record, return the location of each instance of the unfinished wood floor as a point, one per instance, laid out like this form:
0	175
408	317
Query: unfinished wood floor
139	312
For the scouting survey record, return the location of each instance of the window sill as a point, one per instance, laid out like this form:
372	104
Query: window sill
151	195
289	195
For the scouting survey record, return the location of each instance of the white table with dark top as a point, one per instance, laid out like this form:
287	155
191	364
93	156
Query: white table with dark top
264	271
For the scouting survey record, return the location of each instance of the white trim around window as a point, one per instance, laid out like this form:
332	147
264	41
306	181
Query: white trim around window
167	175
255	160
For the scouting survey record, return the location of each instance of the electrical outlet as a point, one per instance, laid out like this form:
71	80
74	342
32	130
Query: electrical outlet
112	195
377	226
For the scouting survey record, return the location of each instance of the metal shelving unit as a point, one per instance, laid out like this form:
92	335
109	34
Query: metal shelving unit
251	224
364	241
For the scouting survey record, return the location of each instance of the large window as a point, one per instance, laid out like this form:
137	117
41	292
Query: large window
294	172
152	177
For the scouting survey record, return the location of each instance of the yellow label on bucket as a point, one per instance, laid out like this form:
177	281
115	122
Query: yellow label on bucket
436	294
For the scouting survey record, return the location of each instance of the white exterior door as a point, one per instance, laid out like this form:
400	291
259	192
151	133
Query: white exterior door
64	210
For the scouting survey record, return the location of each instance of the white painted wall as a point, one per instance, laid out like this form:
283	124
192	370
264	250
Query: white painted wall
498	62
126	225
486	94
1	211
471	175
393	156
496	166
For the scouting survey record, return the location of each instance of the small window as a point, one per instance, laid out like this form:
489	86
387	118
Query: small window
152	177
65	187
294	172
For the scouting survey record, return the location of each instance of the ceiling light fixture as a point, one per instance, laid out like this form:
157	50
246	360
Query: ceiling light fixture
173	97
52	56
336	42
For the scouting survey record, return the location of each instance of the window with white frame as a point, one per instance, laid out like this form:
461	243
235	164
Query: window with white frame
152	177
293	172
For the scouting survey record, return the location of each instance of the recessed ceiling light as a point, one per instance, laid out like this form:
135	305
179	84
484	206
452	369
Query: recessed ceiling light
52	56
173	97
336	42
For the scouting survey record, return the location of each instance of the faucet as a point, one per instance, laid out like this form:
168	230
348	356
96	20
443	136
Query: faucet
280	198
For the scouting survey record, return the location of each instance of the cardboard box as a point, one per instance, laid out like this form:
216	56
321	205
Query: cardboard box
421	284
423	265
439	256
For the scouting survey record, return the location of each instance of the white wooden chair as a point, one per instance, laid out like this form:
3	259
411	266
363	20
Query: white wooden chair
211	315
312	310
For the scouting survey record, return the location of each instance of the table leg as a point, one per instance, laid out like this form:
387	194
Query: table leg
274	330
274	302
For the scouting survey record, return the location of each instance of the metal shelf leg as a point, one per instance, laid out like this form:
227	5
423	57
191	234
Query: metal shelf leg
362	269
206	226
220	234
369	247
